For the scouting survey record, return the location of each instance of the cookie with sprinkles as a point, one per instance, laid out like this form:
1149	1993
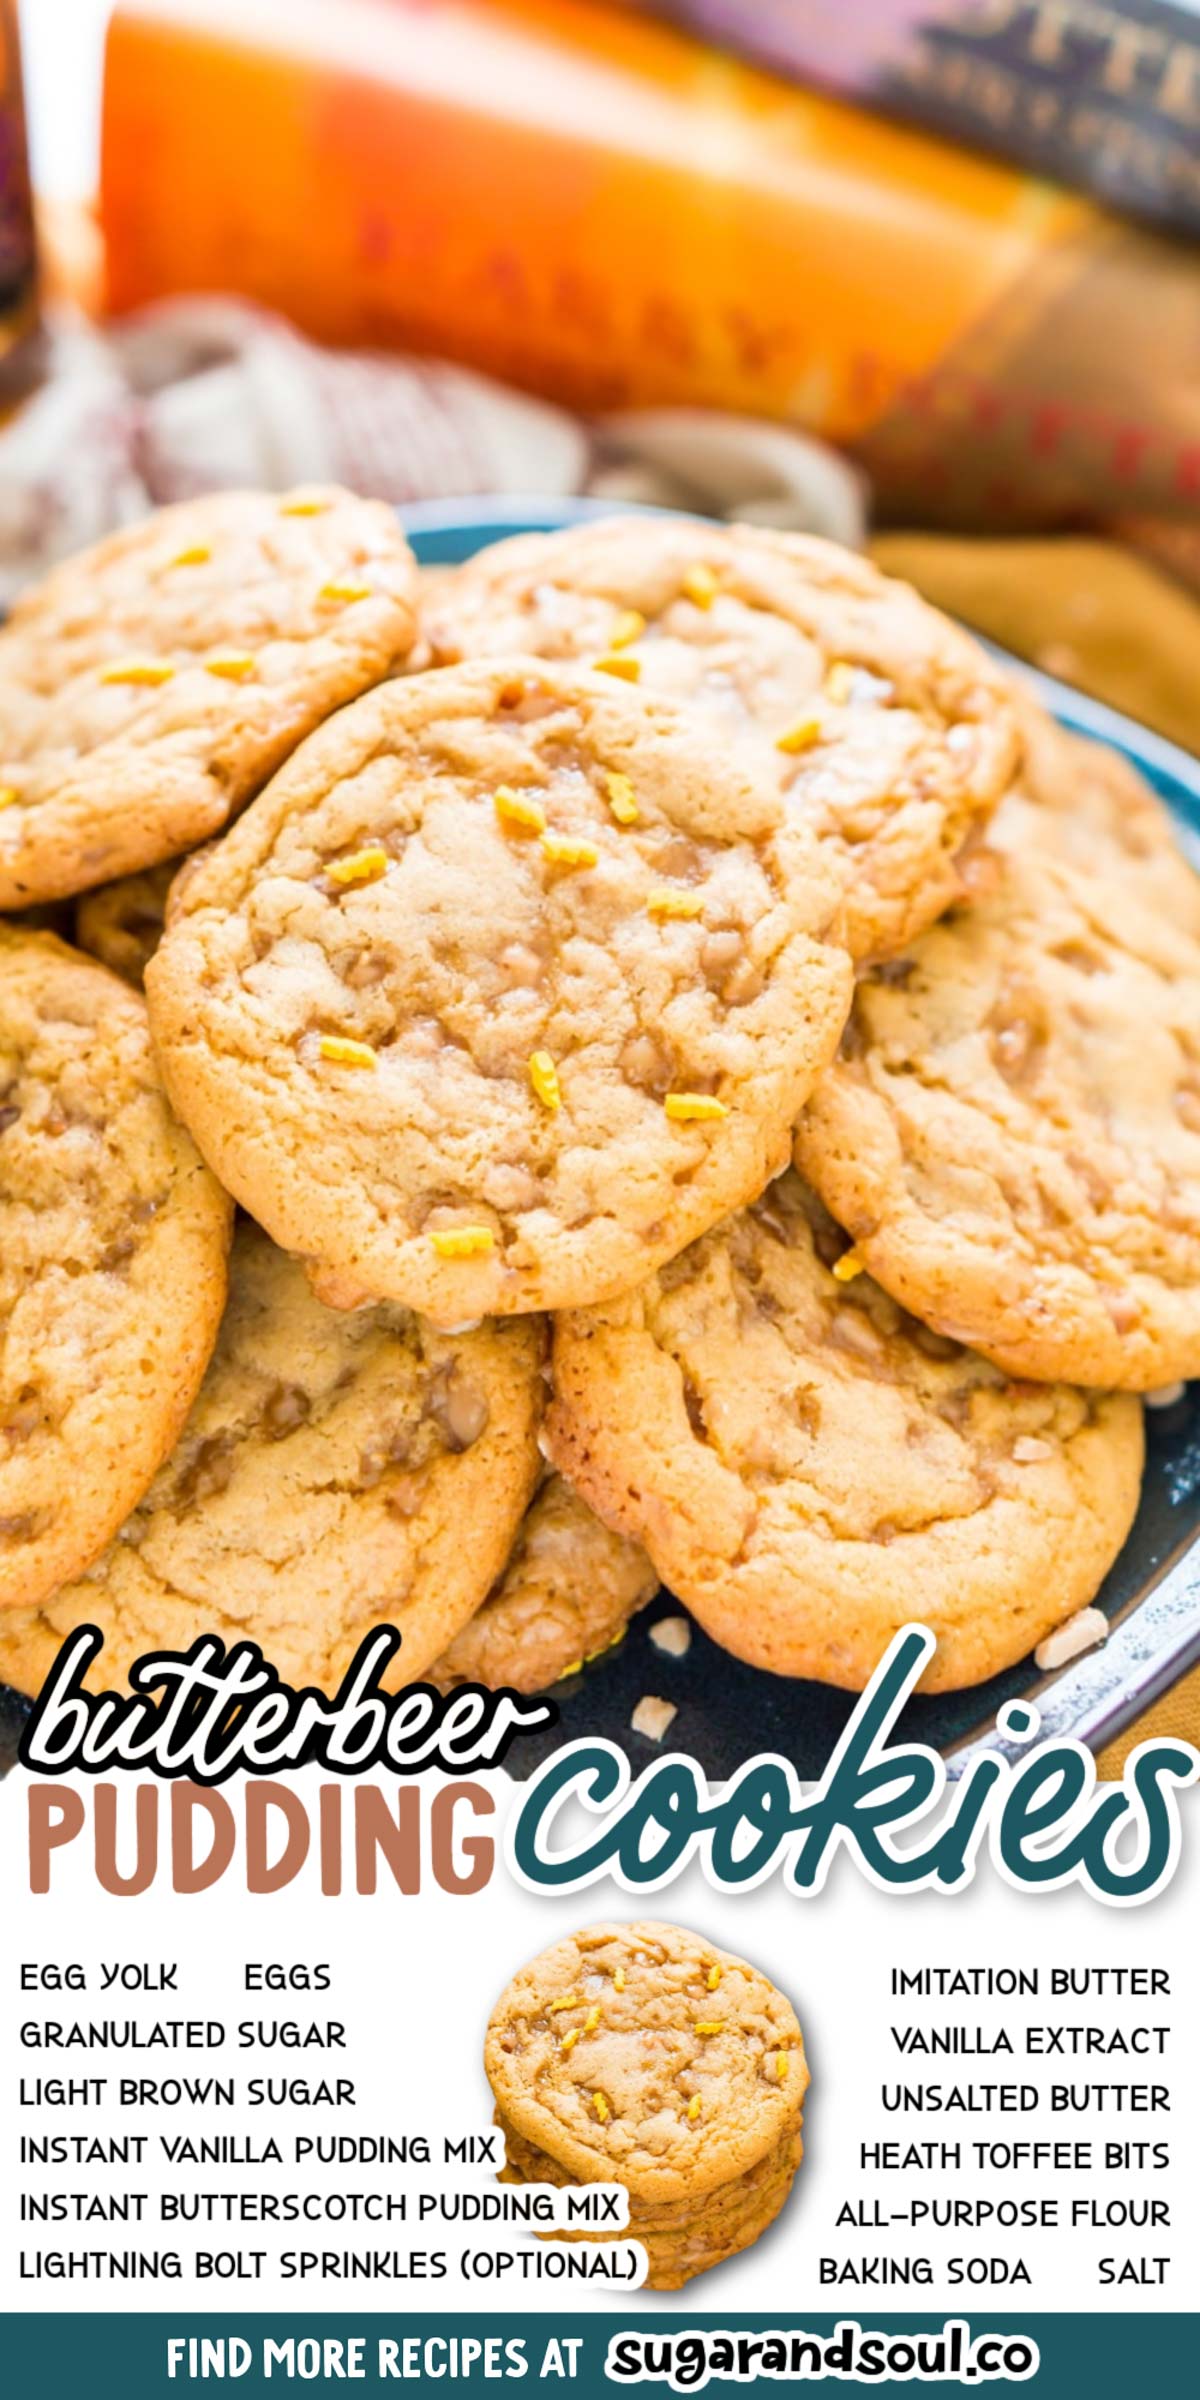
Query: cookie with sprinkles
885	727
505	988
810	1468
566	1595
151	685
1011	1132
113	1240
320	1486
647	2056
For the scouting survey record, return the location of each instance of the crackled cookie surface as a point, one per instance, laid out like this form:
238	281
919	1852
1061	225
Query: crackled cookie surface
149	686
1011	1132
121	923
322	1485
113	1239
505	988
885	728
810	1469
1091	808
567	1592
646	2055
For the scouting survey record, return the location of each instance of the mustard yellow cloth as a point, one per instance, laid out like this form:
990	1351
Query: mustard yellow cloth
1112	624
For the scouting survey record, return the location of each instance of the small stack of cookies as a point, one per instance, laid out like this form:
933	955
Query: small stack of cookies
643	2055
710	1076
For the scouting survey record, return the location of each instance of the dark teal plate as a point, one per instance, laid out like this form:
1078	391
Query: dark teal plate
726	1711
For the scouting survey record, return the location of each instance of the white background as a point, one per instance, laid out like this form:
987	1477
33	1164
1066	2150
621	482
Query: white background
415	1979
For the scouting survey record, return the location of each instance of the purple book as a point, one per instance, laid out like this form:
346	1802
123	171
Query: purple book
1103	94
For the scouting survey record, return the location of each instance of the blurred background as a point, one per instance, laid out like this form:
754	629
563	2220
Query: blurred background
917	273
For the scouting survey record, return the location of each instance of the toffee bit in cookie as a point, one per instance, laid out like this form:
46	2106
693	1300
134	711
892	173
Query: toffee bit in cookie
652	1717
700	585
569	2040
362	866
9	796
839	682
345	592
518	808
1081	1632
694	1108
138	670
197	554
628	627
591	2020
693	2108
568	2000
800	736
543	1075
674	904
600	2104
713	1978
782	2064
564	850
707	2025
618	1979
845	1268
620	797
303	508
463	1241
672	1634
232	666
340	1051
619	662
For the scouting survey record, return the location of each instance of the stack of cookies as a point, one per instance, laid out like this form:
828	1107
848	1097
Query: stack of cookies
642	2055
710	1075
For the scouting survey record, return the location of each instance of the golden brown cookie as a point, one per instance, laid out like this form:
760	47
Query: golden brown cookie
113	1237
149	686
566	1594
506	987
1094	810
810	1470
336	1472
884	726
645	2055
121	923
1011	1132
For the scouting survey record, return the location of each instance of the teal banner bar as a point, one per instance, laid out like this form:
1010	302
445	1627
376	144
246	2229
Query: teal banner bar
151	2357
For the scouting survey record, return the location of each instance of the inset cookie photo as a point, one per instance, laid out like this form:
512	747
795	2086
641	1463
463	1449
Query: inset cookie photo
648	2056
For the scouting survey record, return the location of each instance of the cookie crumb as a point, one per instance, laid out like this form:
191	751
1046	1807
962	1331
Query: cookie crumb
672	1634
652	1717
1165	1395
1083	1631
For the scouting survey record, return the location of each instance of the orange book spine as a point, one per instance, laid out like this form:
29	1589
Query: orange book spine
597	207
